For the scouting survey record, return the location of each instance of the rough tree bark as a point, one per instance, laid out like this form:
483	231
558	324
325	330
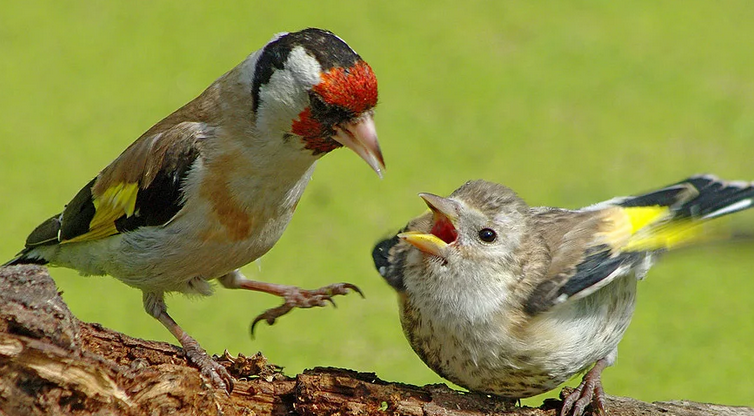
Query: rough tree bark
53	364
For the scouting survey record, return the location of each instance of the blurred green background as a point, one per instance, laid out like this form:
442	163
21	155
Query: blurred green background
567	102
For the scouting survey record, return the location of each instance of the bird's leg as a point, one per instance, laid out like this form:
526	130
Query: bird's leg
589	391
155	306
294	297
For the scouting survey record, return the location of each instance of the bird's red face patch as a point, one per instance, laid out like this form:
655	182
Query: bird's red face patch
306	125
314	133
353	88
444	229
347	92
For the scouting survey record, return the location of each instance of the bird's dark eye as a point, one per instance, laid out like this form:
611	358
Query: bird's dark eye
326	114
487	235
318	106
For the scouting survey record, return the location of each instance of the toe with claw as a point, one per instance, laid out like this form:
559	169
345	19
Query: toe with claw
214	371
589	391
295	297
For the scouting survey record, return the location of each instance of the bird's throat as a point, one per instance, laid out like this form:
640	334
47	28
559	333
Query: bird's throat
444	230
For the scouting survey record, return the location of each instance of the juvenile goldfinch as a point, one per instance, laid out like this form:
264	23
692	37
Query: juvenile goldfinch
512	300
212	186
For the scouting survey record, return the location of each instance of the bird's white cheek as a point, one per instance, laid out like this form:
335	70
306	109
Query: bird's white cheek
304	67
285	96
281	102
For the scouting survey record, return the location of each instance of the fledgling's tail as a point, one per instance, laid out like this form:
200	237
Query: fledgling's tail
670	217
698	197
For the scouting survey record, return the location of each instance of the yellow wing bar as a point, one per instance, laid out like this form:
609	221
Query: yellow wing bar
654	228
116	201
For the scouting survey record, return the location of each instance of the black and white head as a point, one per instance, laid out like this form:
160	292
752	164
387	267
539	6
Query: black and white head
310	86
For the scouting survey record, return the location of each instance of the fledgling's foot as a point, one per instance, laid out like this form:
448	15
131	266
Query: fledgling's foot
295	297
214	371
589	391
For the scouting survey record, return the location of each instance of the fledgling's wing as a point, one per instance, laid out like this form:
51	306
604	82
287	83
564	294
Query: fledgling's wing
593	246
142	187
389	255
585	253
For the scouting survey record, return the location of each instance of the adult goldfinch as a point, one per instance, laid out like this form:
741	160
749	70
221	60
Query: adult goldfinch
512	300
213	186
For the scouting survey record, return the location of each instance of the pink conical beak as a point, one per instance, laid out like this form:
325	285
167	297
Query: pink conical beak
360	136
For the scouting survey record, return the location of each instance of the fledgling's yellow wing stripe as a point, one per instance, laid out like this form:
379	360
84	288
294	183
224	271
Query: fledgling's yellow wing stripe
640	217
653	228
621	224
666	236
116	201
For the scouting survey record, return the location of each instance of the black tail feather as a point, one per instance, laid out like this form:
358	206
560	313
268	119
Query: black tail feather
711	197
22	258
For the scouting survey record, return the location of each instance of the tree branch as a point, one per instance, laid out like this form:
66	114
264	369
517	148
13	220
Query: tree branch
53	364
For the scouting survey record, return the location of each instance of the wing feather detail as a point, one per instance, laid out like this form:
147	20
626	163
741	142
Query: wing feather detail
117	201
626	235
142	187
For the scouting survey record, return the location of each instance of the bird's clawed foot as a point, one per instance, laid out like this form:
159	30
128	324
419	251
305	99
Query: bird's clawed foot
218	375
295	297
589	391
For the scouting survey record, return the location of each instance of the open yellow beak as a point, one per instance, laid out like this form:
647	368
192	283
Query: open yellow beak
443	209
428	243
443	232
361	137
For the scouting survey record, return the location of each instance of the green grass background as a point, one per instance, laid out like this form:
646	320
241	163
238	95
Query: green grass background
567	102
